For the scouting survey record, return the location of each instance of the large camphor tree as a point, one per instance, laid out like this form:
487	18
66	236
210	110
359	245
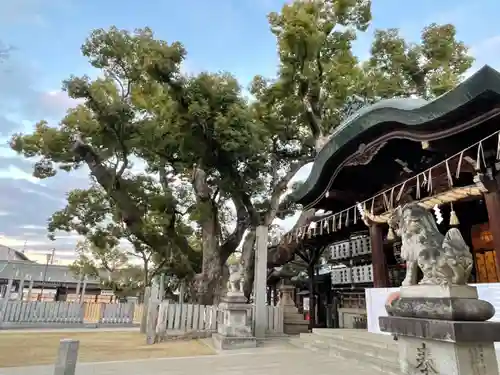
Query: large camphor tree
143	130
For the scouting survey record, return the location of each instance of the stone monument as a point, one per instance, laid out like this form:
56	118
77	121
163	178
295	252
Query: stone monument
234	330
293	321
439	322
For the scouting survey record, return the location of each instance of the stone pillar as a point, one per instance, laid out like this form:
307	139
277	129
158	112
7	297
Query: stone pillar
67	357
78	286
20	289
162	287
293	321
443	330
260	282
152	314
235	330
492	202
145	304
30	289
286	300
379	262
84	289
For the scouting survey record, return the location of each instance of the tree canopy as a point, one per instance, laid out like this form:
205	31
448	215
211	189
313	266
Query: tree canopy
173	158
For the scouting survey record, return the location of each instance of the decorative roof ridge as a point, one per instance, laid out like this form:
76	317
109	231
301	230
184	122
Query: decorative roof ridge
417	112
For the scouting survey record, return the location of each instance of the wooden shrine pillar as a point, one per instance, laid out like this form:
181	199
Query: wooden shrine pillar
492	201
380	271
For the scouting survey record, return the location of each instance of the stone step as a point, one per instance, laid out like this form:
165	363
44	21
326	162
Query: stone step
295	329
296	321
377	353
358	335
378	365
371	349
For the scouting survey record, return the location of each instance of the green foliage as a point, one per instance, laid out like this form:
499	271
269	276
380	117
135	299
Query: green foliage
143	110
94	261
428	69
305	102
93	215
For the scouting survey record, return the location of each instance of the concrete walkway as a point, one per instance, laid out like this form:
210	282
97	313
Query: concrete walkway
273	360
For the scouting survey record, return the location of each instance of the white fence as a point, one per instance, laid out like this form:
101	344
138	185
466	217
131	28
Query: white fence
117	313
274	320
171	316
46	313
41	312
188	317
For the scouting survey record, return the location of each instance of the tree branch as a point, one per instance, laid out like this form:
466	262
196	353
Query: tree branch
281	186
234	239
131	215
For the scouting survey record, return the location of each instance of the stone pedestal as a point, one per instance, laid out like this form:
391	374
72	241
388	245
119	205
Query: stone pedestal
293	321
441	345
234	331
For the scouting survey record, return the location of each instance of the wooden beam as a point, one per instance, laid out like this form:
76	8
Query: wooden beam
342	195
379	261
492	201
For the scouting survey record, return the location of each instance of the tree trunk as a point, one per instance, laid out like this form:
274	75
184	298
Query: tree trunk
211	283
248	262
146	279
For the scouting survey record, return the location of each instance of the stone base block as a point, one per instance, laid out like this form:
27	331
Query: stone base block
458	309
444	347
222	342
295	326
421	356
234	297
438	291
441	330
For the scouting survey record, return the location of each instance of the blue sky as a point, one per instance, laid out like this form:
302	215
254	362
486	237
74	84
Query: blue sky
229	35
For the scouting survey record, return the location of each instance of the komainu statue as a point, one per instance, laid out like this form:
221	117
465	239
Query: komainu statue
444	260
235	283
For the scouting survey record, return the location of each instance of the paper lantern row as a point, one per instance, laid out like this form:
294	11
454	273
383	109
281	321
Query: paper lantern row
350	248
352	275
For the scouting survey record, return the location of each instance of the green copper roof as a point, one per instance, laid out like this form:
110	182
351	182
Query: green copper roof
407	112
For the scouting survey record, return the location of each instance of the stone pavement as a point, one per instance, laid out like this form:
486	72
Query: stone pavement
268	360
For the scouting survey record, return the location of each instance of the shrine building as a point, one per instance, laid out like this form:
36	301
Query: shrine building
443	153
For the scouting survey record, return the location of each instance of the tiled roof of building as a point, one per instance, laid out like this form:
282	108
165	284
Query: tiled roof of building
7	253
55	273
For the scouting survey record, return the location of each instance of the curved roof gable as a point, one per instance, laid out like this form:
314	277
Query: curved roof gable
408	112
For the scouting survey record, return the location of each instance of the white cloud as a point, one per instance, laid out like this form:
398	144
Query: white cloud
16	173
36	227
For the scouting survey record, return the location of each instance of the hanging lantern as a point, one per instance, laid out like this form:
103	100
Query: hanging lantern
390	234
453	217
